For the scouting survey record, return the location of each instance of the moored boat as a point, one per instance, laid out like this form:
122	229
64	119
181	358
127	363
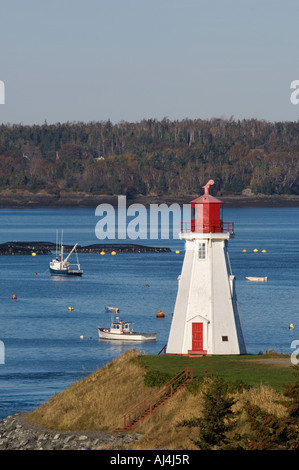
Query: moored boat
112	309
121	331
258	279
60	266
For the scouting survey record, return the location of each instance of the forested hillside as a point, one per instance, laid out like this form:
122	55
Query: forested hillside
152	157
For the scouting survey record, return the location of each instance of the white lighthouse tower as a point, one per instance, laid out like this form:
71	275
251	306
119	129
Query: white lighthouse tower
206	317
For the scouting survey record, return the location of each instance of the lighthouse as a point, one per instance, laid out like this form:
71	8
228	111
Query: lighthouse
206	318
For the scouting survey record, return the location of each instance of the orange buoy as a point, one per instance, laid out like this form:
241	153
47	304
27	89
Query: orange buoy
160	314
14	296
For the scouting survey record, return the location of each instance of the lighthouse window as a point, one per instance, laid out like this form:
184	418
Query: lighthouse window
202	250
224	338
193	213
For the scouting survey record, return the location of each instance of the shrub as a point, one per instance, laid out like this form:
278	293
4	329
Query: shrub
217	412
271	433
155	378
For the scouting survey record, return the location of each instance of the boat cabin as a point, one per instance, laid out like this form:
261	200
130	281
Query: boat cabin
120	327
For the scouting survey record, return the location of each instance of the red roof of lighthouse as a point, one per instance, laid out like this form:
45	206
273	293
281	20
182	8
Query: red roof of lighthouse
206	198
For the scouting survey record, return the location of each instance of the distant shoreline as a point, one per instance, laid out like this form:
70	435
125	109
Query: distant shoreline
24	200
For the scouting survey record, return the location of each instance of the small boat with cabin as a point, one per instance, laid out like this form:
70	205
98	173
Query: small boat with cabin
121	331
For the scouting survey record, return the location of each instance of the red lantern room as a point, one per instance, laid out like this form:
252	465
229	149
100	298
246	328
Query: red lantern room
206	213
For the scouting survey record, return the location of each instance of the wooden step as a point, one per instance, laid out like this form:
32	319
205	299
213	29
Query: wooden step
167	391
197	353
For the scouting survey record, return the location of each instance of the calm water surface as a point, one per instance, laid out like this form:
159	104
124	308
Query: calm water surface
43	350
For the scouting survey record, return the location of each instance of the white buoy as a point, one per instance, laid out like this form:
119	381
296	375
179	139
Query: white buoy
81	337
291	326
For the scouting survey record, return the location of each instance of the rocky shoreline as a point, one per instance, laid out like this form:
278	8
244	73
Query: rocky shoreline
21	199
17	433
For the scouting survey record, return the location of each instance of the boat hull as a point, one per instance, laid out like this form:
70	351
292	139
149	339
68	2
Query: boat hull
105	333
65	272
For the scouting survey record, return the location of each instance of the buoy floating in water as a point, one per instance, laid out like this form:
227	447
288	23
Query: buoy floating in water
113	252
255	251
33	254
291	326
81	337
102	253
177	252
14	297
71	308
160	314
35	274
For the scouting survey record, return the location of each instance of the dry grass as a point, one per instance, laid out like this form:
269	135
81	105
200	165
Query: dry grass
162	430
266	398
98	401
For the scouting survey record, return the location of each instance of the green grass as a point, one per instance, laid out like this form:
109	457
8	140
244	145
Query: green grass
251	369
100	400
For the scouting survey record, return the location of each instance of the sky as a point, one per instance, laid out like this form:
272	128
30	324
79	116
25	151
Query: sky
128	60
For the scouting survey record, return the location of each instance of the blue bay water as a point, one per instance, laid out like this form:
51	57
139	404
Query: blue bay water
43	350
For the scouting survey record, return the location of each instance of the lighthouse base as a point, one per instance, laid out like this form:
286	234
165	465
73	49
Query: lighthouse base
202	354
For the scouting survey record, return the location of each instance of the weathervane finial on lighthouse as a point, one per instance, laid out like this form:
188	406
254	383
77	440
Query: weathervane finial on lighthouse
207	186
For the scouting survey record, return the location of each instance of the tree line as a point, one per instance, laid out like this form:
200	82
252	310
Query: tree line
152	157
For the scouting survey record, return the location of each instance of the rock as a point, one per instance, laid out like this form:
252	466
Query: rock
17	433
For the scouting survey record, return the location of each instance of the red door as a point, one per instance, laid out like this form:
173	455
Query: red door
197	336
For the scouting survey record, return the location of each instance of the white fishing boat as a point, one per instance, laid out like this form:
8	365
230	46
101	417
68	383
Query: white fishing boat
121	331
60	266
257	279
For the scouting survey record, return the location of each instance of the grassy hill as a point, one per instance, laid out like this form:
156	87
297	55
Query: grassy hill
99	401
